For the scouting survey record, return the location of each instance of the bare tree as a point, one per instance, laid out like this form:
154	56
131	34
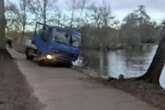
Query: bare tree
105	12
2	24
95	15
13	17
38	9
44	11
55	17
101	14
73	7
41	9
102	19
23	6
81	6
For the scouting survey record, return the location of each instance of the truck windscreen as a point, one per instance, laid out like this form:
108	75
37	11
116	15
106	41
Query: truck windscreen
64	37
60	36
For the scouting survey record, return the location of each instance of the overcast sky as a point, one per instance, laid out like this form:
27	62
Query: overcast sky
120	8
155	8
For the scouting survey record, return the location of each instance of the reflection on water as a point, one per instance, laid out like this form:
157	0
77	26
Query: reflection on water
130	62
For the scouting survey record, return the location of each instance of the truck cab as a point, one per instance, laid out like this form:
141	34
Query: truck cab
52	44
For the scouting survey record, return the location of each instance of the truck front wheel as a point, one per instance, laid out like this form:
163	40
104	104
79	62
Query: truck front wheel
29	53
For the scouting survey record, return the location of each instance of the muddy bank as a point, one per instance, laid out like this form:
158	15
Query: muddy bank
150	93
15	93
147	92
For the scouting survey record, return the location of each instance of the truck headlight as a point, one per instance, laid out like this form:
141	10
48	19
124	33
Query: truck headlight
49	57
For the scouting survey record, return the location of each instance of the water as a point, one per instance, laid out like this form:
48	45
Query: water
130	63
162	78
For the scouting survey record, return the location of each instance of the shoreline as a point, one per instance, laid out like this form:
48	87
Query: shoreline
150	93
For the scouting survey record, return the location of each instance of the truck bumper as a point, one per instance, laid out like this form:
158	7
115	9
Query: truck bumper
54	60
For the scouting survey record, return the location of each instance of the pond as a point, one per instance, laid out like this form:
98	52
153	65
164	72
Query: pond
127	62
131	63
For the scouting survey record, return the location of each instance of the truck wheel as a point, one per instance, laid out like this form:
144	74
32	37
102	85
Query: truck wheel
29	54
67	64
29	57
41	64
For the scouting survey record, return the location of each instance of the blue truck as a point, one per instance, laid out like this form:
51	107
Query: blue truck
53	45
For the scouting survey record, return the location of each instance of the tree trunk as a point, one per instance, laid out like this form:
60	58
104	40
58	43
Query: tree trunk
2	25
154	71
44	12
23	31
24	19
72	15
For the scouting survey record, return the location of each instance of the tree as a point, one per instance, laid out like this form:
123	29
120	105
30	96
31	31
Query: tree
101	14
2	24
142	14
55	17
146	27
13	17
81	5
23	6
76	7
129	31
44	11
38	8
153	73
95	15
106	15
137	28
73	8
41	10
102	19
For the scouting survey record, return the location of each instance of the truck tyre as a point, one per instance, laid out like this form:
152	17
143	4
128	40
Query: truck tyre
69	65
29	57
28	53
